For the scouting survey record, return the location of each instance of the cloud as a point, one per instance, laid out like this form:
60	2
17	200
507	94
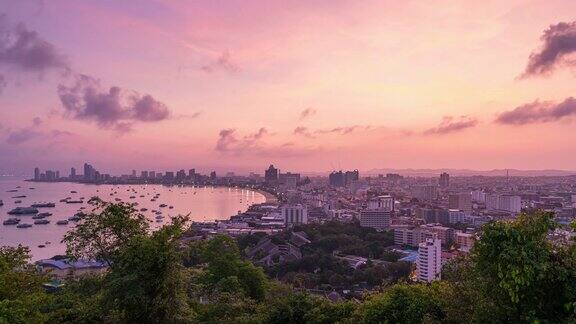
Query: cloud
559	42
114	108
22	135
223	62
3	83
229	142
538	112
60	133
342	130
452	125
27	51
303	131
36	121
308	112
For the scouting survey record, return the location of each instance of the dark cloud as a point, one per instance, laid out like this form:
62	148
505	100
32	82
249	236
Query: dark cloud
22	135
27	51
308	112
451	125
112	109
223	62
3	83
538	112
228	141
559	42
36	121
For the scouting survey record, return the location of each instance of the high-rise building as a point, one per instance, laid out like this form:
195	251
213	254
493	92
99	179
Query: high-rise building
378	219
36	174
351	177
461	201
144	174
429	262
271	174
381	203
89	172
192	174
337	179
444	180
509	203
213	175
151	174
425	192
295	214
72	173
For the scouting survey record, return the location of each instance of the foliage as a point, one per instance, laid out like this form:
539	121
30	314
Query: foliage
102	232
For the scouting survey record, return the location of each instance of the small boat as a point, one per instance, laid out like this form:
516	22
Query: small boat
23	211
39	216
24	225
21	196
13	190
132	197
74	201
73	191
43	205
41	246
171	207
62	222
141	196
118	199
63	200
45	214
31	188
143	209
41	222
11	221
18	201
74	218
1	203
163	205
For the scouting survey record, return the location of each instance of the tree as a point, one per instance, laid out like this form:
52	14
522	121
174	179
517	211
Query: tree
100	234
146	283
21	294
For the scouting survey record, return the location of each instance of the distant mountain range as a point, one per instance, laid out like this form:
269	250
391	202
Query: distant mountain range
468	172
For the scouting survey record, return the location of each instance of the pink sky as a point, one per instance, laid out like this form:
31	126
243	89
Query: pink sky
333	84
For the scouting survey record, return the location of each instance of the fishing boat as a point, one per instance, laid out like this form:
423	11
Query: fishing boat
24	225
74	218
41	222
163	205
62	222
23	211
43	205
18	201
11	221
74	201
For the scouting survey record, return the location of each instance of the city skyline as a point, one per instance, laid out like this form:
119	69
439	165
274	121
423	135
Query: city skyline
314	86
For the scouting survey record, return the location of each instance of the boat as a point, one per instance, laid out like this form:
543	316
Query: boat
62	222
117	199
18	201
41	222
73	191
11	221
23	211
171	207
163	205
21	196
74	218
143	209
41	246
63	200
74	201
13	190
132	197
38	216
159	220
45	214
1	203
24	225
43	205
31	188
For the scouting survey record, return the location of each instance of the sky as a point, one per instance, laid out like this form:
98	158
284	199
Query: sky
235	85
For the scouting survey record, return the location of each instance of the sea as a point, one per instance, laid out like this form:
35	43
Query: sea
199	203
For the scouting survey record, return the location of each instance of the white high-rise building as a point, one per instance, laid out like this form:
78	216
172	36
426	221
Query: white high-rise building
429	263
295	214
381	203
510	203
